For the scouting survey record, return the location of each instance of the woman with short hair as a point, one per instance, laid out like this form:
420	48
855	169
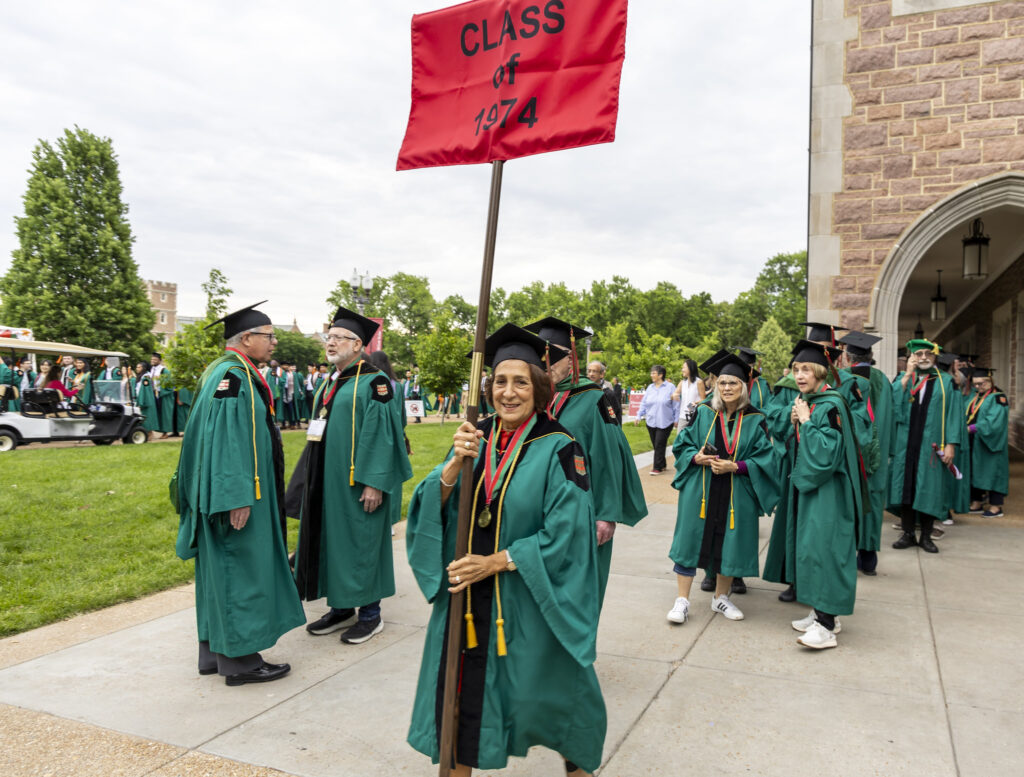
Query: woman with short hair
531	607
726	476
661	412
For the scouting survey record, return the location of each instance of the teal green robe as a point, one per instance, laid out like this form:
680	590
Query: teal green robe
147	403
824	504
9	378
544	691
760	393
934	487
83	383
345	553
960	501
164	384
19	374
869	534
990	465
245	595
182	408
615	487
778	566
752	495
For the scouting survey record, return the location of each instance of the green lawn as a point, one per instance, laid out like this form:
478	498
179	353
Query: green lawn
86	527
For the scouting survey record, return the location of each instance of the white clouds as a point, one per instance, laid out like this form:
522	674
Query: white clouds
261	138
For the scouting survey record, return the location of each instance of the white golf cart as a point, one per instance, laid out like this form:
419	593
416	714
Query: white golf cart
45	416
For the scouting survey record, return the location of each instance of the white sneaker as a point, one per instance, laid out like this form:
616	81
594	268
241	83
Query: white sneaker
805	623
679	610
818	637
728	609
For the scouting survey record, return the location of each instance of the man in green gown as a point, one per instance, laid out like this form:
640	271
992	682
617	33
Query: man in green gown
355	466
146	400
229	492
582	407
163	393
987	417
960	488
929	419
859	354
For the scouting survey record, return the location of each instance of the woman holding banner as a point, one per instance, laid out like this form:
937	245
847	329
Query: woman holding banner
528	645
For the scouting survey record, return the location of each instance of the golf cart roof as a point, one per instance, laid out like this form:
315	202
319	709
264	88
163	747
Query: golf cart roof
57	349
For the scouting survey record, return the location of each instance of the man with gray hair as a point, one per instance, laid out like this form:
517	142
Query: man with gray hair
229	492
595	374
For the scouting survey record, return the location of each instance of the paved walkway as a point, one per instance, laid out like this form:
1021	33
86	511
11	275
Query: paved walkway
926	680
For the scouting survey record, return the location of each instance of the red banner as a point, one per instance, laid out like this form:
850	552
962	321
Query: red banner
498	79
377	341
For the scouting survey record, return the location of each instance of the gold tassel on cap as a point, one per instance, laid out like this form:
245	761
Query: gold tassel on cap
470	632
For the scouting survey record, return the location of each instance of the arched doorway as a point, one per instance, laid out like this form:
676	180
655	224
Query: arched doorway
907	279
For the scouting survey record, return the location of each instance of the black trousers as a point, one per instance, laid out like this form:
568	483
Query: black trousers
226	665
994	497
659	439
909	518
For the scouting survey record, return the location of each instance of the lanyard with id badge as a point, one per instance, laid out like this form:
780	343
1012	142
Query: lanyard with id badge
315	431
317	426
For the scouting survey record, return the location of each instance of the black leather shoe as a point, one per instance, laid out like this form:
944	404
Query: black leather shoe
869	572
708	583
738	586
789	595
927	545
261	674
905	541
211	670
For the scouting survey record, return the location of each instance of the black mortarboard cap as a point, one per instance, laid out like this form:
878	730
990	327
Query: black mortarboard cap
748	355
946	359
241	321
815	353
358	325
859	343
732	365
820	332
514	342
983	372
708	364
969	357
556	331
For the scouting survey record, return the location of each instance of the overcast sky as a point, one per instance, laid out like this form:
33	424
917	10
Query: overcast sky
261	138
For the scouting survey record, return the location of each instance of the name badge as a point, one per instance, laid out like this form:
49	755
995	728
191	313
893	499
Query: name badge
315	432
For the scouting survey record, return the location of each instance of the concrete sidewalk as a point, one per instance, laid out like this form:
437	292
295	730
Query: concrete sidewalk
926	679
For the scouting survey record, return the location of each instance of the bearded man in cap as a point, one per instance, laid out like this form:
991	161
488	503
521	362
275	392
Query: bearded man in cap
356	462
582	407
230	496
928	412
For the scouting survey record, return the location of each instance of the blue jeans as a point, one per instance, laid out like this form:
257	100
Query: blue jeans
369	612
684	571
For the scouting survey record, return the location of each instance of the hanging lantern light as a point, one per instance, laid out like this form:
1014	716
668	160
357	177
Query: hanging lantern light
939	302
976	252
919	332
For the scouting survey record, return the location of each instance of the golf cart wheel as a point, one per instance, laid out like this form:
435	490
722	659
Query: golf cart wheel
137	436
8	441
102	442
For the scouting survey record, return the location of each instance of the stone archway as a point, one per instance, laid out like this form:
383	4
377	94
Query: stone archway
945	215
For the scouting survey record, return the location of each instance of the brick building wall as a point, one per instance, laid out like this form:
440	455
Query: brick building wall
163	297
906	109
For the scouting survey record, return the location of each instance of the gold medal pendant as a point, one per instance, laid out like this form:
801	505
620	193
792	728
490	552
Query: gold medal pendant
484	519
323	412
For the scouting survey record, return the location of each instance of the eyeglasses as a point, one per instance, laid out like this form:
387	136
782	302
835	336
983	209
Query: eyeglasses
339	338
268	335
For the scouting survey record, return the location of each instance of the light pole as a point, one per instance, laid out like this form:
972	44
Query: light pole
360	285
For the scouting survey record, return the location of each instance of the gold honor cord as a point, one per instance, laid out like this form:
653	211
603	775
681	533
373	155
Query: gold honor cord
703	469
352	452
943	387
252	408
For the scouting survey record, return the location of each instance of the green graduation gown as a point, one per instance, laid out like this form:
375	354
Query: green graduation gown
824	504
182	407
147	403
615	487
163	391
778	567
960	502
345	552
879	407
544	691
718	515
917	476
245	595
760	393
10	378
83	382
990	465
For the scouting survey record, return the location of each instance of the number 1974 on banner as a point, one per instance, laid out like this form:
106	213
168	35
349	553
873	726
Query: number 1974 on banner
527	115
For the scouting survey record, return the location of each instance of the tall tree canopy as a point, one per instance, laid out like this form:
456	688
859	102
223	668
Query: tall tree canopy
73	278
195	346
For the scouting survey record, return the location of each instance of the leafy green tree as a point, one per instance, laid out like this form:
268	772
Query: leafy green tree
297	349
463	314
779	291
441	356
73	278
195	346
775	348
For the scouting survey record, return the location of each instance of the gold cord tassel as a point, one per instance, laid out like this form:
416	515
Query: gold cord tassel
352	475
470	632
257	488
703	509
502	648
732	518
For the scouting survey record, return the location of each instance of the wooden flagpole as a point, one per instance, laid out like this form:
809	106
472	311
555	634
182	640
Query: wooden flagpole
450	710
